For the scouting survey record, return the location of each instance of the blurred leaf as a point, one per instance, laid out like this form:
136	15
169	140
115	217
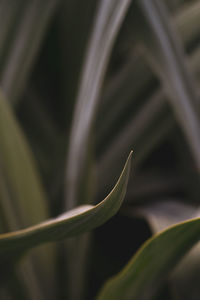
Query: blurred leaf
163	214
74	222
142	132
18	167
187	21
113	109
195	62
167	57
120	87
150	133
46	140
22	198
8	20
145	274
106	26
75	17
29	33
79	171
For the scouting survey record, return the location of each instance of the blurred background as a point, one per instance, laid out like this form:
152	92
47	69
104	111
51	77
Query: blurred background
146	99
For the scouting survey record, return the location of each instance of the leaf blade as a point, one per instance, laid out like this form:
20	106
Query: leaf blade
146	271
52	230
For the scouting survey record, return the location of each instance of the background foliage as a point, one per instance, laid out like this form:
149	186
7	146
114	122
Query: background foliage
82	84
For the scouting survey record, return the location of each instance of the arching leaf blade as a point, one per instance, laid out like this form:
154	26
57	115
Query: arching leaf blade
67	225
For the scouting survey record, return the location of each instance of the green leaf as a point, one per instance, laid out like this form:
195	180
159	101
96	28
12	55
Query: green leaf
145	274
75	222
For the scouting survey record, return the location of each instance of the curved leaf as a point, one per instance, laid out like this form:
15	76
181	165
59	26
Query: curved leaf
147	270
13	245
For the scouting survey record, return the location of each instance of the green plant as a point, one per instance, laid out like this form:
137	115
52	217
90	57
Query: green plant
83	83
